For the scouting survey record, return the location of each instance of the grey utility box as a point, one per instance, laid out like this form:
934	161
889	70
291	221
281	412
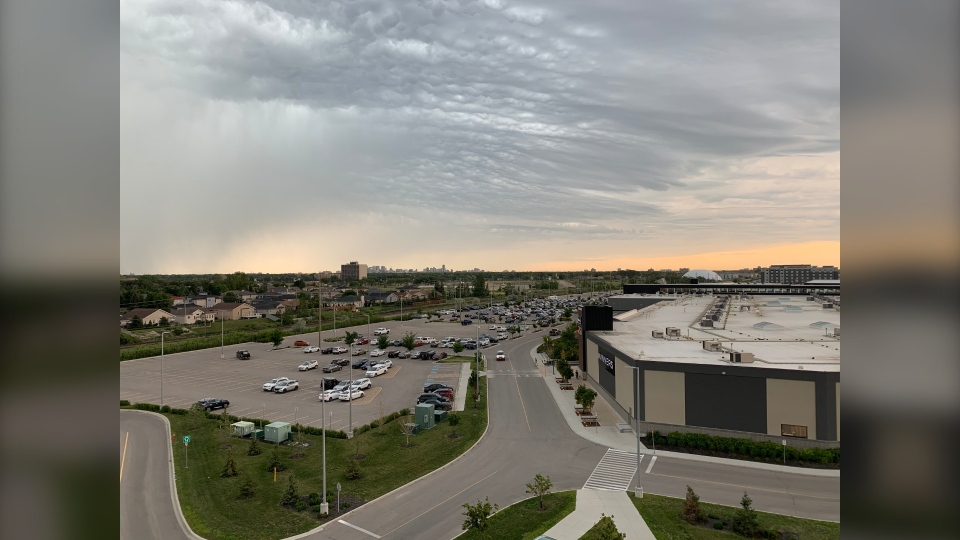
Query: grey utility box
277	432
424	416
241	429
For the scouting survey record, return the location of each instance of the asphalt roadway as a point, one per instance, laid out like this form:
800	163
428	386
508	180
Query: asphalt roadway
526	435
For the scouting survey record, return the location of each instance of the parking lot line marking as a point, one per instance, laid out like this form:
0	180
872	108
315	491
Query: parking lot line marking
123	457
442	502
352	526
650	466
522	405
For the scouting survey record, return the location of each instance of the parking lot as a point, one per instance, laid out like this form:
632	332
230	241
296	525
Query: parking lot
190	376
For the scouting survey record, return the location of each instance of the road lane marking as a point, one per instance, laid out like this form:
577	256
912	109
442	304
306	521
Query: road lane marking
352	526
650	466
441	502
123	457
522	405
751	488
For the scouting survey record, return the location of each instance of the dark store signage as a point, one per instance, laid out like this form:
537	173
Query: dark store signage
606	360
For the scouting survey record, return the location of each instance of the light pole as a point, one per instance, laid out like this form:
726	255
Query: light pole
350	394
221	334
369	335
324	505
161	365
638	491
478	363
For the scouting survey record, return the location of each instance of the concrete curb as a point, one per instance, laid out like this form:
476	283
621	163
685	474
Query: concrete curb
173	478
579	430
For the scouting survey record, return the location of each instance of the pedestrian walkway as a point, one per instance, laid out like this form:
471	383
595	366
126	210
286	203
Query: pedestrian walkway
591	505
463	388
614	472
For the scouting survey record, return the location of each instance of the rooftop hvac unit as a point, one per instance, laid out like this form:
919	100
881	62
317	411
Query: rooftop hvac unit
836	331
706	323
672	331
809	299
711	345
657	334
827	305
741	357
715	317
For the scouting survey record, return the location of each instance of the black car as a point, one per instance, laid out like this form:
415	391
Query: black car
441	405
341	362
362	363
441	356
210	404
433	386
393	354
430	395
326	350
397	343
328	383
470	345
428	355
243	355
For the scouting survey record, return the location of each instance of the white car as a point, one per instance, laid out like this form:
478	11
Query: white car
381	331
311	348
286	386
339	350
309	364
351	395
334	393
385	362
272	383
492	327
501	355
378	352
361	384
376	370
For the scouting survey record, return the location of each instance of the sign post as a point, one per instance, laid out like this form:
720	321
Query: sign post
338	497
186	454
784	442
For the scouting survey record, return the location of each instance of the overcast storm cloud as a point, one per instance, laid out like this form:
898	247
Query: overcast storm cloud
293	135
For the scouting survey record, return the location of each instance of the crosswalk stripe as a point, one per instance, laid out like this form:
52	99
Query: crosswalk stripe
614	472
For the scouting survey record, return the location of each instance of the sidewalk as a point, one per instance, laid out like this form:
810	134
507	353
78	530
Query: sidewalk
590	505
460	398
609	435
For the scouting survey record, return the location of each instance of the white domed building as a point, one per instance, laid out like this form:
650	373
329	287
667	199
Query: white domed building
703	274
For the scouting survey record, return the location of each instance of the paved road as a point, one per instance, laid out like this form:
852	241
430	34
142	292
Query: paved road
146	504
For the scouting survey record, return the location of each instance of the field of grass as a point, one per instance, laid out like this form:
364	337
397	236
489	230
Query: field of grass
525	520
662	515
211	504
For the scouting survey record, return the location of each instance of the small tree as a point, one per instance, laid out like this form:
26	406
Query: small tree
230	469
276	460
177	331
254	448
164	322
588	399
350	337
383	342
136	322
409	341
457	347
478	516
381	414
578	394
692	512
276	337
246	488
605	529
354	472
454	420
745	520
539	487
407	427
197	414
290	497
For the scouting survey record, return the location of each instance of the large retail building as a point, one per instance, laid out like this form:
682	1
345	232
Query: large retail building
745	362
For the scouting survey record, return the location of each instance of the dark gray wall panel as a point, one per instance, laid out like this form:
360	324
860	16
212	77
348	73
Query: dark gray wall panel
726	402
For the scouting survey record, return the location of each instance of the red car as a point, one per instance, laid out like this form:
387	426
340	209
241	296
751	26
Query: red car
445	392
363	341
301	343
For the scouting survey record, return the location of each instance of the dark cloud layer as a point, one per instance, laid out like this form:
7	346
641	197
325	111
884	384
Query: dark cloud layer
613	115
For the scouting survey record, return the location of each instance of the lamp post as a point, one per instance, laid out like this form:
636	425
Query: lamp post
478	363
638	491
161	365
350	393
221	334
369	335
324	505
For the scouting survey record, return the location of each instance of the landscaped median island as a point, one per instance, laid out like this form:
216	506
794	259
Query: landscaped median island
665	517
221	506
525	520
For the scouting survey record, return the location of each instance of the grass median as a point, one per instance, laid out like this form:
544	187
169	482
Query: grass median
663	516
525	520
214	509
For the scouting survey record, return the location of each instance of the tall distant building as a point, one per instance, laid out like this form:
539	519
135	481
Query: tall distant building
797	273
353	271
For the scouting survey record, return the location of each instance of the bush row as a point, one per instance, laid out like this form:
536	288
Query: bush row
757	450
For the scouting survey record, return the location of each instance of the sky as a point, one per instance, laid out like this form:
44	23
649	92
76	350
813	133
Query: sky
292	135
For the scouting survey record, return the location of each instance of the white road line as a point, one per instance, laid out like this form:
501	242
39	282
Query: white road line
650	466
614	472
352	526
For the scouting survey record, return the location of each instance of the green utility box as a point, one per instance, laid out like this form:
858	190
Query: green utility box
241	429
439	416
277	432
424	416
258	434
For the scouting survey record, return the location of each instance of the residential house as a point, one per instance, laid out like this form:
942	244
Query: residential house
149	316
189	315
244	295
233	311
291	304
205	300
414	292
374	296
269	307
345	302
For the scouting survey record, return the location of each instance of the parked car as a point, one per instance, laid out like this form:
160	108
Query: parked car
301	343
349	395
405	354
331	368
272	383
331	394
428	355
378	369
381	331
385	362
554	332
378	352
445	393
393	354
397	343
362	341
286	386
309	364
361	364
326	350
359	352
311	348
427	388
341	362
243	354
437	404
329	382
501	355
441	355
431	395
465	322
415	355
362	384
339	350
210	404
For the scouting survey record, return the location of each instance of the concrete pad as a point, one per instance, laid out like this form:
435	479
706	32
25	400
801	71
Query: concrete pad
591	506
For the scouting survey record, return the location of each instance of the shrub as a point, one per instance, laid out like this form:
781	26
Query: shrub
718	525
179	412
301	506
290	496
246	488
124	403
314	498
147	407
354	472
745	520
692	513
254	448
165	409
229	469
276	460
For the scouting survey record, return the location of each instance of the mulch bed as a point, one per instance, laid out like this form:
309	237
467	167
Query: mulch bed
727	455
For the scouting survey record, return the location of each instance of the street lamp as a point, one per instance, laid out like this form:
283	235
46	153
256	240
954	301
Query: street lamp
221	334
161	365
324	505
350	394
369	335
478	363
638	491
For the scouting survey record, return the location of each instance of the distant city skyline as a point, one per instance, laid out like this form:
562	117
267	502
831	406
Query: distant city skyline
542	135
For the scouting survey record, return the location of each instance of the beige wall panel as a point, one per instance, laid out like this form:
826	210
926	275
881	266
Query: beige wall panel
664	397
791	402
625	377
